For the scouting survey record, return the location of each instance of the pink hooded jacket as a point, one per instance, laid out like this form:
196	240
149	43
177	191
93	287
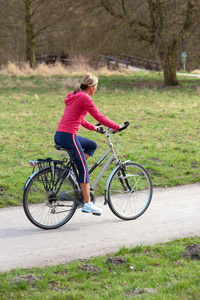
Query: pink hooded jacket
76	108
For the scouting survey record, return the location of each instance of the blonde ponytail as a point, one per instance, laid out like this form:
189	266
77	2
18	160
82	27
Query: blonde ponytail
87	80
77	88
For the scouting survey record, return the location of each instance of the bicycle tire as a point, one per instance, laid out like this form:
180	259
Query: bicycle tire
43	207
130	191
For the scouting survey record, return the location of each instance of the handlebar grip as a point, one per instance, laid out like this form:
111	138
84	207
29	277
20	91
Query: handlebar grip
100	130
124	126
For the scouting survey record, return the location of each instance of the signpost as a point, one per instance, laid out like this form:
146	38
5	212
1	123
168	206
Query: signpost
183	59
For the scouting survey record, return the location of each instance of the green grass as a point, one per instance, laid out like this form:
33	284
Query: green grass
147	272
163	134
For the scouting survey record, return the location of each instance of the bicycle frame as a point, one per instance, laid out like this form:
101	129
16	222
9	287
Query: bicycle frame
104	168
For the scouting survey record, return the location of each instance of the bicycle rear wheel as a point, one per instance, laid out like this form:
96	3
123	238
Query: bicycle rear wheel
130	191
42	206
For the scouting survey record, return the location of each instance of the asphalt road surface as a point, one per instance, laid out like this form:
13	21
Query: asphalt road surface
173	213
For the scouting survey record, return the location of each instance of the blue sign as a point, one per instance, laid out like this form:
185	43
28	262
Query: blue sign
184	54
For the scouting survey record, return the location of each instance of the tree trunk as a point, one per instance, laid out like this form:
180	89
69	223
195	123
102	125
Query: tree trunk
30	52
169	66
30	36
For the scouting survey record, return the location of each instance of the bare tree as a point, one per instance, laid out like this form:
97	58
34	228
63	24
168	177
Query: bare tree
162	23
28	24
39	16
11	44
29	14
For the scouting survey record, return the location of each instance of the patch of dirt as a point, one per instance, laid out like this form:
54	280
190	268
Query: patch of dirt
142	291
90	269
192	87
153	85
63	273
152	172
195	164
117	260
192	251
3	191
156	159
29	279
142	84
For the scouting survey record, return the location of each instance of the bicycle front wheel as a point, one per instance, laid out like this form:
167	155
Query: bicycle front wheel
130	191
42	205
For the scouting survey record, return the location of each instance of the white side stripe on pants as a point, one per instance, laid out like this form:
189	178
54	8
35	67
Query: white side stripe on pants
81	157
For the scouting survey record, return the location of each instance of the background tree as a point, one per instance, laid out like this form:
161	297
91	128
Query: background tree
11	45
28	22
40	17
162	23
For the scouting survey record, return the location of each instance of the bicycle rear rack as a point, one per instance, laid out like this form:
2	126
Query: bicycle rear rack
43	163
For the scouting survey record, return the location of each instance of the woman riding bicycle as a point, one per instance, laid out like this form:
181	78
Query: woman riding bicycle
77	104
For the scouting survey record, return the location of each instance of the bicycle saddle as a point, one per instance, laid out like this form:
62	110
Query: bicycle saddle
59	147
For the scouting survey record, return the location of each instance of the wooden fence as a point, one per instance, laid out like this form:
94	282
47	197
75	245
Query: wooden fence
142	63
53	57
98	60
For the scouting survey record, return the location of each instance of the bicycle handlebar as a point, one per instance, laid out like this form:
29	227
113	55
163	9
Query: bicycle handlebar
123	126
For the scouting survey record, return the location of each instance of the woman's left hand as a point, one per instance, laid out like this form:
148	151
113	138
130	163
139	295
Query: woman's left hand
99	129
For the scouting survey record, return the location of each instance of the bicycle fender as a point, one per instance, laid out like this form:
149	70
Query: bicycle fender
107	184
29	179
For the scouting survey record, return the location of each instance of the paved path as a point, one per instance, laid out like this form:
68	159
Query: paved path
189	74
174	213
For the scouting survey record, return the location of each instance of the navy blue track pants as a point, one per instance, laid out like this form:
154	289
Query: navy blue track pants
76	146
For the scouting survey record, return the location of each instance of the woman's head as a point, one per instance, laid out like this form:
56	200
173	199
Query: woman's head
88	83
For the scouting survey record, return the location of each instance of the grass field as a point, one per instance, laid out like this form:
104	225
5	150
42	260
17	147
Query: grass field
160	272
163	134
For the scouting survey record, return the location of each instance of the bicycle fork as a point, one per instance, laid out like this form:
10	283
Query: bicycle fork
122	176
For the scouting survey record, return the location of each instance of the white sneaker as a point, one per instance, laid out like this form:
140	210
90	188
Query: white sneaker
90	207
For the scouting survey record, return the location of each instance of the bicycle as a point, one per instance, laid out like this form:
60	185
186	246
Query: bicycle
52	193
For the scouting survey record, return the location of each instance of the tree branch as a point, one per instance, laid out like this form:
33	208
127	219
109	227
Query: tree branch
189	16
133	23
187	24
110	10
156	16
124	8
